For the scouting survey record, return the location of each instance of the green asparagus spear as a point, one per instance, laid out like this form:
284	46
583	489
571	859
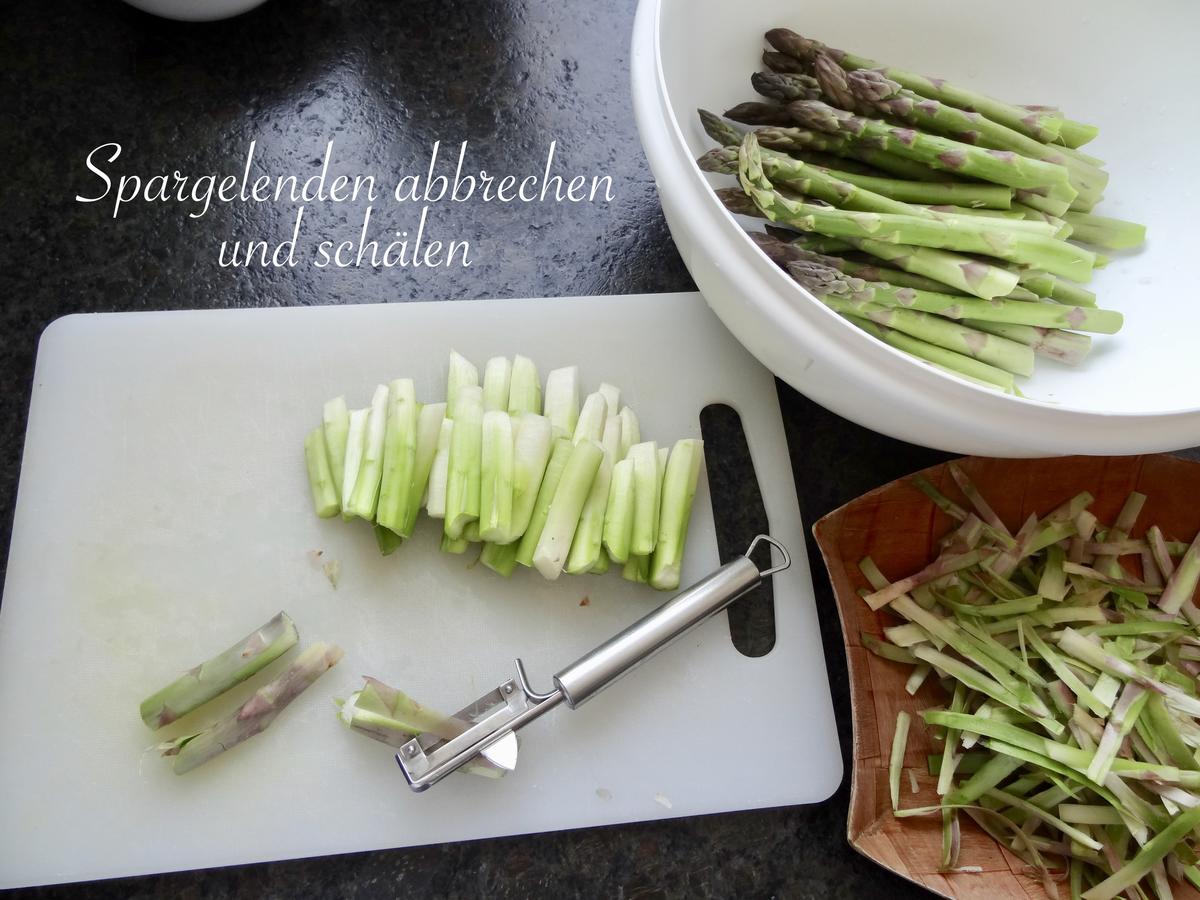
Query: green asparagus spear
948	360
1111	234
871	93
837	292
998	167
1052	255
1043	125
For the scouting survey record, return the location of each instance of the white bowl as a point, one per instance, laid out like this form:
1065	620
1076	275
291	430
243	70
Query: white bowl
1138	391
196	10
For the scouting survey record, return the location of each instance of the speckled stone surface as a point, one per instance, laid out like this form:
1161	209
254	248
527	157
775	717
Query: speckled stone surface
386	78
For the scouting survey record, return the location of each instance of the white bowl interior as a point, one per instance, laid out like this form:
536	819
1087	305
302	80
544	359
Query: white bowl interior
1129	75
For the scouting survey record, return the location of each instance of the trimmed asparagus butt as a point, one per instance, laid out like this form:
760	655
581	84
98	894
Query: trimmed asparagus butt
216	676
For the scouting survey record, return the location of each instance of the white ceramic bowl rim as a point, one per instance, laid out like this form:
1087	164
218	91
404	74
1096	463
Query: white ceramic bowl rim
961	393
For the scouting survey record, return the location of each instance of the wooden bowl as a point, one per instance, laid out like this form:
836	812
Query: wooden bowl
898	527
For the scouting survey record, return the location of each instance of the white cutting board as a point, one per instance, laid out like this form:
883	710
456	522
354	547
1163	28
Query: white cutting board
163	512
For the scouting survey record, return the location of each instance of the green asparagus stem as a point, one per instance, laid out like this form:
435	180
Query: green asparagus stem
320	479
1065	346
525	391
554	544
1076	134
1042	125
365	493
256	713
1053	255
1111	234
955	363
816	182
399	457
943	154
1012	312
975	196
463	467
336	422
988	348
793	140
872	93
1046	285
216	676
678	490
560	454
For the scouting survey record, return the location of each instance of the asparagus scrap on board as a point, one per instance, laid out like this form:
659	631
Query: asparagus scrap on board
1068	651
253	716
960	225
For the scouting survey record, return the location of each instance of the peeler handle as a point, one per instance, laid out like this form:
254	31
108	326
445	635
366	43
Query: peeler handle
601	667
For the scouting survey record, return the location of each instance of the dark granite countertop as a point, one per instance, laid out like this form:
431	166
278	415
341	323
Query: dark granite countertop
386	78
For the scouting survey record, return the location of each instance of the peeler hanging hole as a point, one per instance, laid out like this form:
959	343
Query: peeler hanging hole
740	517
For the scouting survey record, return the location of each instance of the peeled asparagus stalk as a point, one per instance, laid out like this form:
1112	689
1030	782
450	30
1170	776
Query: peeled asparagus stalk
554	544
212	678
399	456
682	472
256	713
463	466
364	495
560	453
320	479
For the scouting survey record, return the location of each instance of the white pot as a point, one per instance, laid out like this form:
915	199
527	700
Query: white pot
1139	391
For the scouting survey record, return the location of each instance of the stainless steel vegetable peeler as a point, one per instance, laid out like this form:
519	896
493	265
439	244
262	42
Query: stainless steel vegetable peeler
498	714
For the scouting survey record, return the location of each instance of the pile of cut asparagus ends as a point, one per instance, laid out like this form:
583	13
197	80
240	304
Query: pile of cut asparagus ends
1068	651
534	478
934	218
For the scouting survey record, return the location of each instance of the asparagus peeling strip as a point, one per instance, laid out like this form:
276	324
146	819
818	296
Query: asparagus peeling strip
1060	666
214	677
388	715
255	714
954	192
